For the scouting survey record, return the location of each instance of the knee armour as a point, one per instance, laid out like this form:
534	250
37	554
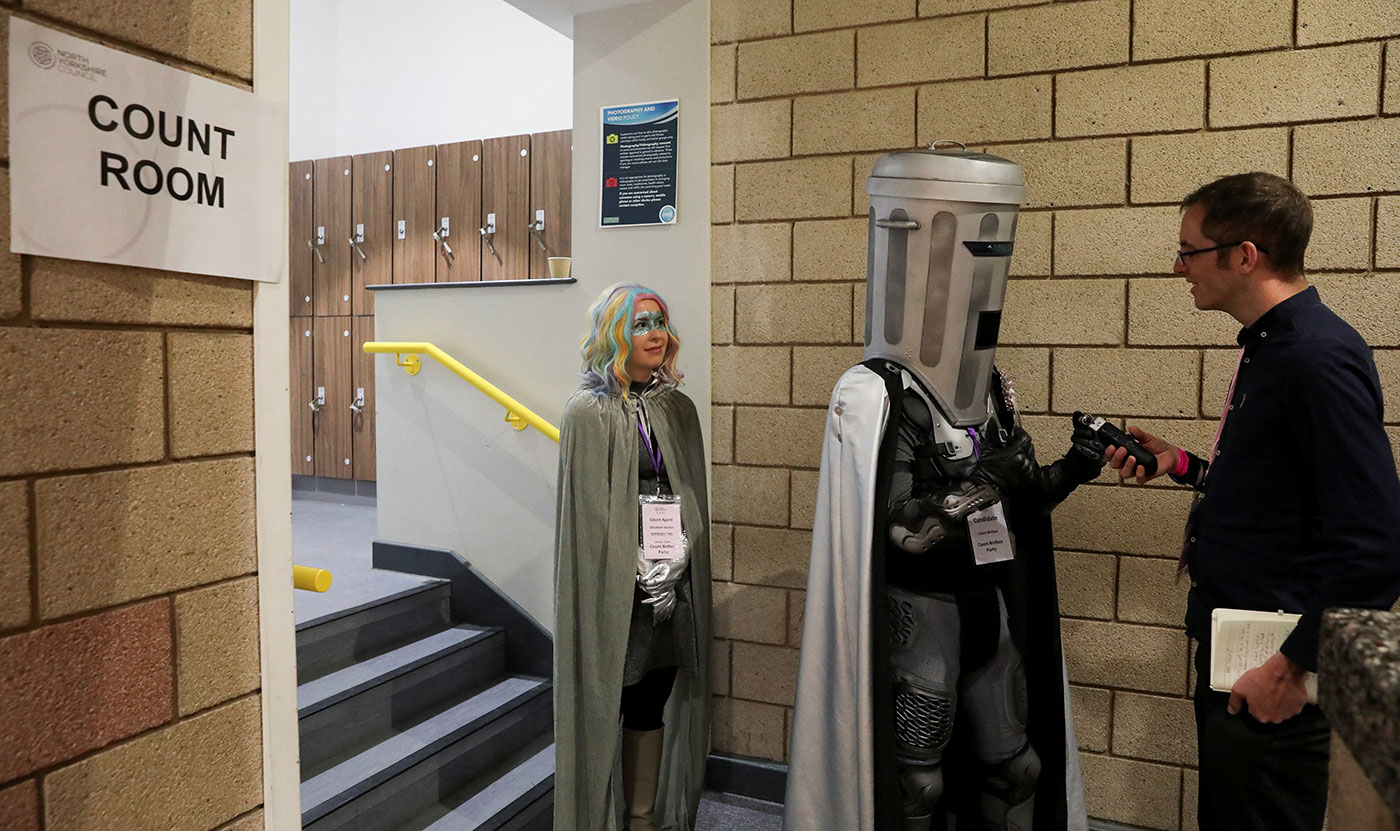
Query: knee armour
921	788
1008	790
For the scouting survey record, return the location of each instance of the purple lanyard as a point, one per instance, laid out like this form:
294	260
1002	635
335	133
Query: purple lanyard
653	452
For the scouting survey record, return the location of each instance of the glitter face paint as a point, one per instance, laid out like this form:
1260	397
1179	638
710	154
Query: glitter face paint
646	322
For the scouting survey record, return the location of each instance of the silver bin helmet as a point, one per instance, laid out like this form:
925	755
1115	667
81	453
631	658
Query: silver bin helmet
942	225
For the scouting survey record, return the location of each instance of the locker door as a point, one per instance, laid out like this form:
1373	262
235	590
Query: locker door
371	214
414	201
505	192
332	337
459	206
303	391
331	209
551	177
302	231
362	379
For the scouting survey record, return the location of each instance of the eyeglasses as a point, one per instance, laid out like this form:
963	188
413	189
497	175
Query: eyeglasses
646	322
1182	255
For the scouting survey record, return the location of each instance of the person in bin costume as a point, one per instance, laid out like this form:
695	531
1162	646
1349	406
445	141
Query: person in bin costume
931	688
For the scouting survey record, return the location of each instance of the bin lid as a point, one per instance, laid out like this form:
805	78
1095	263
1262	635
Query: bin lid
949	164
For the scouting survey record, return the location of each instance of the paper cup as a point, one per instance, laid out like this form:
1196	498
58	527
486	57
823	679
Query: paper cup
560	267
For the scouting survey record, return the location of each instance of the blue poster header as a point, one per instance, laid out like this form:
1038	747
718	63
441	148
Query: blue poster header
653	113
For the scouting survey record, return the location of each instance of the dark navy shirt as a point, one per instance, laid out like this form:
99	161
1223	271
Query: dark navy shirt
1300	509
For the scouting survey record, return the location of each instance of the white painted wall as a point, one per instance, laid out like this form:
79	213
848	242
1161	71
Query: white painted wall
378	75
452	474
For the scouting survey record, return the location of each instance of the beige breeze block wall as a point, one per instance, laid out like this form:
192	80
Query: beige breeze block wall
1116	109
129	666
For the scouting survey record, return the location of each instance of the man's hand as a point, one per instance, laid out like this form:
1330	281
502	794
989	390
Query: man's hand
1274	692
1127	466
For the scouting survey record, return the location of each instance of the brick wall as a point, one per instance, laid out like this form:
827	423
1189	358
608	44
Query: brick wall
1117	109
129	666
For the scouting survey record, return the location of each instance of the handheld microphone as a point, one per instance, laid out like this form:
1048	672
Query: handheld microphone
1112	435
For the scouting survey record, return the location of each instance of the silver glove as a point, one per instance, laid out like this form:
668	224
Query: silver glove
658	580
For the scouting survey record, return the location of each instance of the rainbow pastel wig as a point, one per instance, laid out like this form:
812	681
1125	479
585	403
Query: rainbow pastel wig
608	344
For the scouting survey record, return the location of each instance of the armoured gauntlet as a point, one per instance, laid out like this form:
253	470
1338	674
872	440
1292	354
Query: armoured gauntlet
1008	468
1080	464
929	520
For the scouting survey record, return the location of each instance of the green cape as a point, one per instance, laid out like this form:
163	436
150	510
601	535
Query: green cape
595	562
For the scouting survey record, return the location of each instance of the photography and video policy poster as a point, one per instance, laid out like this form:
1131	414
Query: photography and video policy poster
639	163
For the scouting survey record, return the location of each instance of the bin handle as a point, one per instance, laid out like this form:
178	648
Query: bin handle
937	142
897	224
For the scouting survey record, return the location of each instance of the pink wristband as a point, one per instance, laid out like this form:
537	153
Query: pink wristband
1182	462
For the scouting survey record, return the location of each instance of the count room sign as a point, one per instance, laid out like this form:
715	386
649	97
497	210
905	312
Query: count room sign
118	159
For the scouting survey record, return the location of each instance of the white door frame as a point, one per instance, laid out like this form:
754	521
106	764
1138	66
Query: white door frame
272	466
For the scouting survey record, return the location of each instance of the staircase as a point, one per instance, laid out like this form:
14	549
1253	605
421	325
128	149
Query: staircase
410	721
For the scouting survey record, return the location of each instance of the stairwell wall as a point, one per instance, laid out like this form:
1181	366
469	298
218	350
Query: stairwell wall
129	631
451	473
1116	109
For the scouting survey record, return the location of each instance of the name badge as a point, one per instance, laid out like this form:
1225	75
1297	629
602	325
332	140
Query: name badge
661	528
991	538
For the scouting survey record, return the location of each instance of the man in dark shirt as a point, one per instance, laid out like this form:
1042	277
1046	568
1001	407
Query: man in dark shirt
1297	506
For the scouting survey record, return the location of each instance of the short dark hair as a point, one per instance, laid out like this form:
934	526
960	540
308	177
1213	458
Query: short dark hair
1262	208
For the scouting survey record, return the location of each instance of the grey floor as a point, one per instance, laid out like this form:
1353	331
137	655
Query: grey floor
339	537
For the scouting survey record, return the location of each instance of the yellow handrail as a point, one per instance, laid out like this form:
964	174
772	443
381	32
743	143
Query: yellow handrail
310	579
516	413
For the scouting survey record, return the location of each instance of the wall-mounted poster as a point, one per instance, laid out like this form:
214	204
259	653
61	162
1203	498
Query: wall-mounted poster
639	163
119	159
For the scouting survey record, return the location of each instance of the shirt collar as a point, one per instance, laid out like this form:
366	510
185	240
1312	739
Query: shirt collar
1279	318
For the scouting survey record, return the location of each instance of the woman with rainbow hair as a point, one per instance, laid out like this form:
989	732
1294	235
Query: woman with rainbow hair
632	590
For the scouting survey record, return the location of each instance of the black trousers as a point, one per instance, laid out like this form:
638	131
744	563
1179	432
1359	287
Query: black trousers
1256	776
644	702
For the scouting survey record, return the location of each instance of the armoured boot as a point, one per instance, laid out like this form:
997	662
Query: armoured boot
641	768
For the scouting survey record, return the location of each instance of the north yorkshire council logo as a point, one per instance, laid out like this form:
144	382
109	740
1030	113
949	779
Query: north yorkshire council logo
42	55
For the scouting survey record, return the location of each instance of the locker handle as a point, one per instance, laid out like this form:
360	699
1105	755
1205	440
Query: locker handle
311	243
487	231
446	249
538	238
319	401
358	405
356	246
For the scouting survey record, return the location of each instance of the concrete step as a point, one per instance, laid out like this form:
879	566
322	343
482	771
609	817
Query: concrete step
385	786
520	799
334	641
343	713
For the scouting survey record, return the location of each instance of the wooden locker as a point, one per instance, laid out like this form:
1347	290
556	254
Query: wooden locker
371	213
505	191
332	338
331	209
415	199
459	205
551	189
299	282
362	381
303	391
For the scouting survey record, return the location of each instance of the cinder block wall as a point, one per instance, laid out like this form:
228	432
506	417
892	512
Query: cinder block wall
1117	109
129	667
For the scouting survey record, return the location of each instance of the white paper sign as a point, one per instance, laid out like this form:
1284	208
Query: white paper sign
991	538
118	159
661	531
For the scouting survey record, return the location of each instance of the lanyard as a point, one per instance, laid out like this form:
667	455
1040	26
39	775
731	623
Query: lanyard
1225	413
653	450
